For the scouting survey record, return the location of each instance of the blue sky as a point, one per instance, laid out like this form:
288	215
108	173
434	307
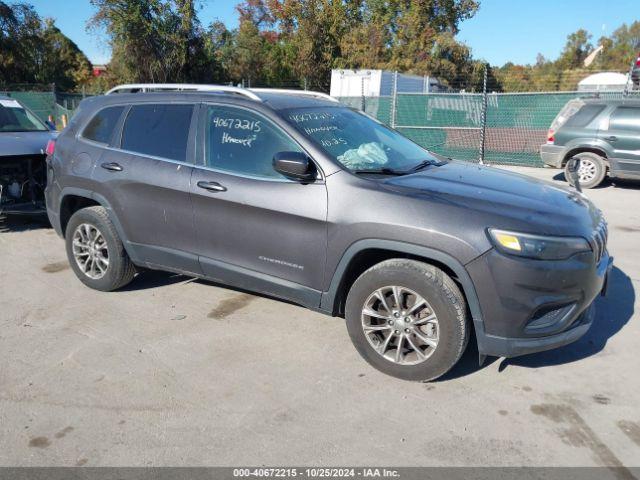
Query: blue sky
501	31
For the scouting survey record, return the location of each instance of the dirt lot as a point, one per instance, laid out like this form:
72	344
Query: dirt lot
172	371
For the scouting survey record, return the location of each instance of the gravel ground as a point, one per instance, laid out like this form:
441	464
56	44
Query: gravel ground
174	371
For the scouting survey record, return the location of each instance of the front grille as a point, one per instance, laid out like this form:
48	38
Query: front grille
599	240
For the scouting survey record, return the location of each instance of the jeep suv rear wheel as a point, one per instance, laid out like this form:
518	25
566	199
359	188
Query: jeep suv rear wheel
95	251
407	319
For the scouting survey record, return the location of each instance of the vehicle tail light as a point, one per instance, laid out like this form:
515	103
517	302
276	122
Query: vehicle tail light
638	61
51	147
550	136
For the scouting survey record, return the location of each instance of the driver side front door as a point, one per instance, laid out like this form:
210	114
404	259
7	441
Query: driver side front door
255	228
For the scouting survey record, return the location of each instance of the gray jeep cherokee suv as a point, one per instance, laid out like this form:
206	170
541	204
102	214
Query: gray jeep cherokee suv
298	197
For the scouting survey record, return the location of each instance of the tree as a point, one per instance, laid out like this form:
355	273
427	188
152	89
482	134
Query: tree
314	29
576	49
60	61
406	35
621	48
20	29
36	51
243	57
153	40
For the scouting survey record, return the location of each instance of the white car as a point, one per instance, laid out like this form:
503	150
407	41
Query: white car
23	147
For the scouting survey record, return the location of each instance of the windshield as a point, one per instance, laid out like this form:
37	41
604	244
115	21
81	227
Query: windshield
15	118
357	141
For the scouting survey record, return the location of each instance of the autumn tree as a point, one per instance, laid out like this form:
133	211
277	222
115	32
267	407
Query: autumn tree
36	51
153	40
621	48
60	61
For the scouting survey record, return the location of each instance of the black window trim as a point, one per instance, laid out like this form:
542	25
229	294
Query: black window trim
201	149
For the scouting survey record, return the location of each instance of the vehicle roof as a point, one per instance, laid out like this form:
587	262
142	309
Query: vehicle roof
274	101
635	102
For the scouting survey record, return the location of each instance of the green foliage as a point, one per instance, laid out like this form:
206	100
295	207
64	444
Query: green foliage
286	43
155	41
277	41
36	51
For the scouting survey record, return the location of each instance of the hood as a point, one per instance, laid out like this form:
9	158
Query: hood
24	143
509	200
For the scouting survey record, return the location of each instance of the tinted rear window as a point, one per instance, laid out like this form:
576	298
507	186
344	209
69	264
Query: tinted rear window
625	118
584	116
100	128
158	130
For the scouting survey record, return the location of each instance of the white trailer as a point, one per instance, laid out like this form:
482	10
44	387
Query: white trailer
379	83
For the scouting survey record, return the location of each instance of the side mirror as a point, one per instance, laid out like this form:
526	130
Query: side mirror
294	165
572	171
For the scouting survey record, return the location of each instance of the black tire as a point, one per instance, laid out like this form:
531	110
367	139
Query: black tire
599	164
120	270
442	294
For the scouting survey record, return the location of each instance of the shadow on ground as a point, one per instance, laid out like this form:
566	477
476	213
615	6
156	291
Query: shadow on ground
612	314
153	279
606	183
22	223
157	278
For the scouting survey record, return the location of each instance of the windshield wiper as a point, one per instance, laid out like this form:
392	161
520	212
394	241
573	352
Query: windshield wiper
421	165
20	131
381	171
392	171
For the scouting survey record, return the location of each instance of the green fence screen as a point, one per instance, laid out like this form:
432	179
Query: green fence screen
447	123
451	123
44	104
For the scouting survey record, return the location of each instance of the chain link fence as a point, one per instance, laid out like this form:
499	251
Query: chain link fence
510	132
451	124
42	104
44	101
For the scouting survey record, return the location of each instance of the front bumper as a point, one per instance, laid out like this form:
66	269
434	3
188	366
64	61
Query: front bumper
530	305
552	155
514	347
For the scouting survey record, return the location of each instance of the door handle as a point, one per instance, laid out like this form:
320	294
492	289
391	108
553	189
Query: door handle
612	138
114	167
211	186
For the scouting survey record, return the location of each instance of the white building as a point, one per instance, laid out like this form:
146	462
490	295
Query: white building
379	83
604	81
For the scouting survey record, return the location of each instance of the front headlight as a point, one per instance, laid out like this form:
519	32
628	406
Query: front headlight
538	246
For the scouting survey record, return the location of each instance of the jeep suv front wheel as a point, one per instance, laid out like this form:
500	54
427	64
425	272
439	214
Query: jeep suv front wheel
407	319
95	251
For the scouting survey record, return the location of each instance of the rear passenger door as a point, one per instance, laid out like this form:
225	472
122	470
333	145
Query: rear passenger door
256	228
623	135
146	179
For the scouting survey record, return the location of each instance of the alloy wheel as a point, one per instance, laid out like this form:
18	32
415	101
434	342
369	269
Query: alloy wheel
587	170
90	251
400	325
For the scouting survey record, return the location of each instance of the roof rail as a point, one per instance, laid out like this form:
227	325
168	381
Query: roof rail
159	87
247	92
307	93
